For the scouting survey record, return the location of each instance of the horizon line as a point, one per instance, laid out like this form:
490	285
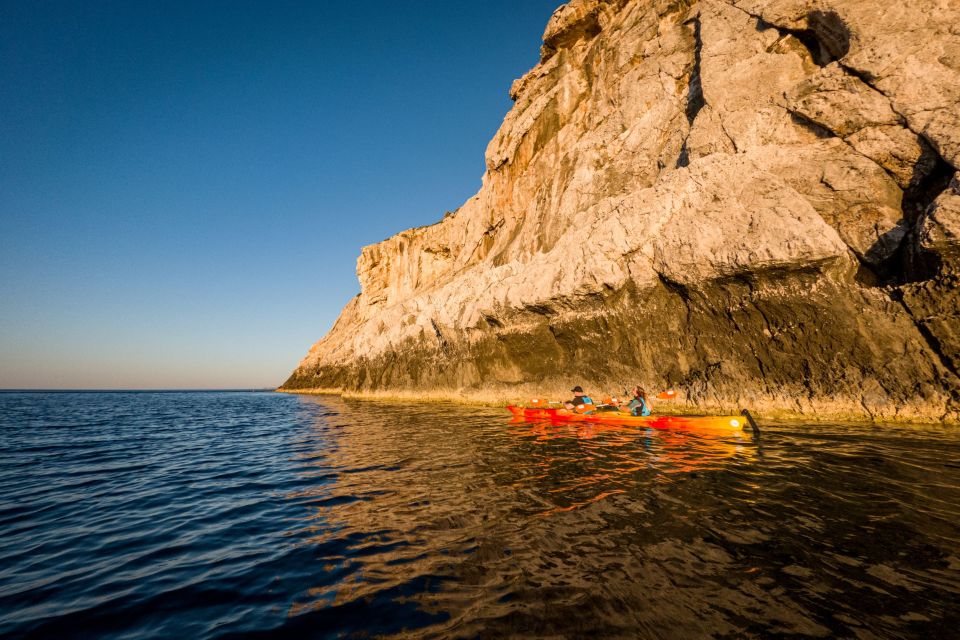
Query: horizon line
131	390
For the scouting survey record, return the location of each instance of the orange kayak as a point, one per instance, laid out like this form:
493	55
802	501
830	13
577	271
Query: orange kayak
727	424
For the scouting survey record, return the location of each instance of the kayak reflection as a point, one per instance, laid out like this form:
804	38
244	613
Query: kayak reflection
615	459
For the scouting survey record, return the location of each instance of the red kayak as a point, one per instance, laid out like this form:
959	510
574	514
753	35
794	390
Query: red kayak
726	424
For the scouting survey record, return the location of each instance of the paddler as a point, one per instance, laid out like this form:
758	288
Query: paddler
579	399
638	405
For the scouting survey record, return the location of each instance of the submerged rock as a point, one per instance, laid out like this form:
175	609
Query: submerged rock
747	200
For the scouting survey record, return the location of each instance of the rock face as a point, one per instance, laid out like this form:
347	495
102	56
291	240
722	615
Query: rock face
754	202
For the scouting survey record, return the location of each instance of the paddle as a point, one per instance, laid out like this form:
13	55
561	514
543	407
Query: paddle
669	394
753	423
543	403
540	402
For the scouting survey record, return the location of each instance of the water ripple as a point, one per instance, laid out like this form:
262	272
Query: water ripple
224	515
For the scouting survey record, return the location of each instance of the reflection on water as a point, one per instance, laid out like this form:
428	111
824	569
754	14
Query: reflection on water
218	515
477	525
590	462
656	450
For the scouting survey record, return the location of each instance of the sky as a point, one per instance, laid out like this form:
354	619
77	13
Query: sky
185	187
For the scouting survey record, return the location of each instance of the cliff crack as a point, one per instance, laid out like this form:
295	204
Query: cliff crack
932	341
827	37
695	99
865	77
806	121
681	292
440	339
828	40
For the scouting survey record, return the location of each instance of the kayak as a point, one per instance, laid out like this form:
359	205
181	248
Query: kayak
726	424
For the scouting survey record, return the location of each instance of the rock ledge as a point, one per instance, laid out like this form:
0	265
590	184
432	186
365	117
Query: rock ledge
754	202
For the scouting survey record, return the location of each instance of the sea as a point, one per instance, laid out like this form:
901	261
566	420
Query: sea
266	515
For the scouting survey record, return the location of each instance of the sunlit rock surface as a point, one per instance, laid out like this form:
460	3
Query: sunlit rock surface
754	202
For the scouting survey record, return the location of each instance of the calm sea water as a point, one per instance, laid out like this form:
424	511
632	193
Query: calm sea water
208	515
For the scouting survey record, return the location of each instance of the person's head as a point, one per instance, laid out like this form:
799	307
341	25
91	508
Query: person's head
577	389
638	392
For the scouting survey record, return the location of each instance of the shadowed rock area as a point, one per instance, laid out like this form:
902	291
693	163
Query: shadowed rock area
754	202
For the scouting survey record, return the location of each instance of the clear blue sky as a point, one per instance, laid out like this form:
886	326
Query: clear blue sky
185	186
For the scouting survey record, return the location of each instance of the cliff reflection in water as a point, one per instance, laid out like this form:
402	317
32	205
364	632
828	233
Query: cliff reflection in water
457	521
214	515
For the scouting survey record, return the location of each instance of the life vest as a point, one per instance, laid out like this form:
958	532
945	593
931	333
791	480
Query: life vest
640	408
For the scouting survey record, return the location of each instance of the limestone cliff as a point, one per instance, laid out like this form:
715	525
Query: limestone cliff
752	201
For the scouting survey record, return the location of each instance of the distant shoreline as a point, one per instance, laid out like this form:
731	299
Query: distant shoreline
237	390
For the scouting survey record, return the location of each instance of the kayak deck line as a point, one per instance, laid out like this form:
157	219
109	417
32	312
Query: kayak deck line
725	424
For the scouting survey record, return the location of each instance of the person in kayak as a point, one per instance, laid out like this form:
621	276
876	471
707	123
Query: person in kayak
638	405
578	399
